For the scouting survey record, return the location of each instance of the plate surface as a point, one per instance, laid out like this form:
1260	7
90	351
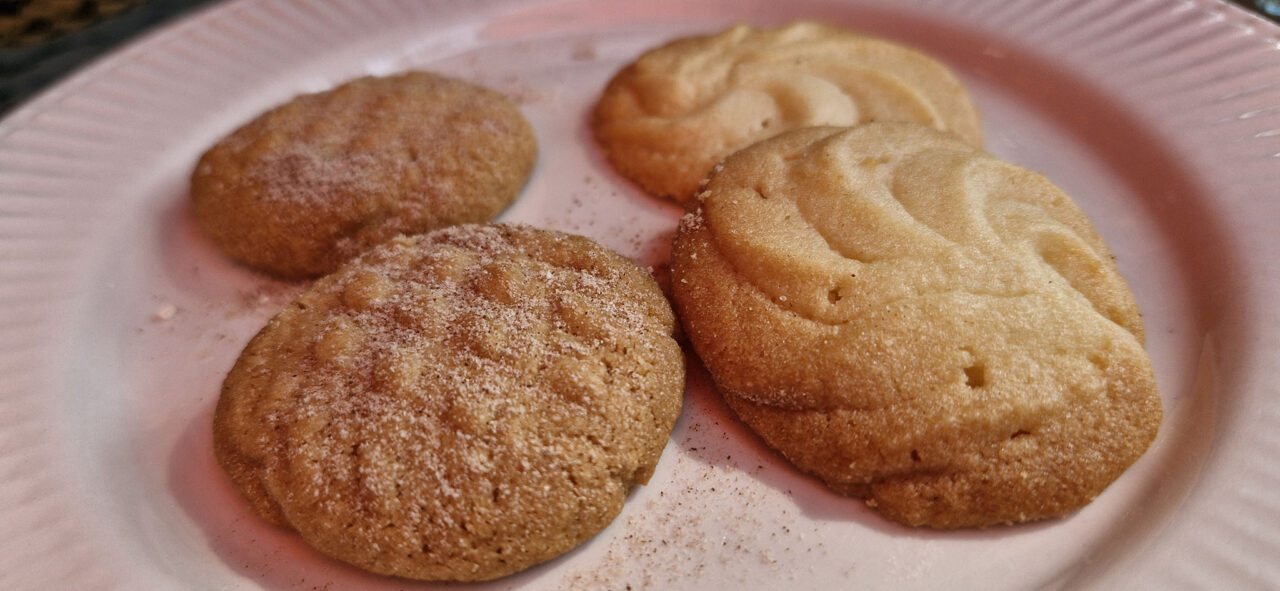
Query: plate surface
118	320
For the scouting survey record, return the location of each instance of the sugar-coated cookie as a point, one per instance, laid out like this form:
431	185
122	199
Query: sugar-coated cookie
459	405
316	181
917	323
675	112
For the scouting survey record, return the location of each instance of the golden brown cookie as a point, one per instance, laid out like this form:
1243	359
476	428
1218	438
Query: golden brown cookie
316	181
917	323
459	405
666	119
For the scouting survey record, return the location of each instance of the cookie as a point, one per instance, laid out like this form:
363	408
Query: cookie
670	116
917	323
459	405
316	181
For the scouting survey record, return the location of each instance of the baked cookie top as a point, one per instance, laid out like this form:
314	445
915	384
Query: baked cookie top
916	322
316	181
670	116
458	405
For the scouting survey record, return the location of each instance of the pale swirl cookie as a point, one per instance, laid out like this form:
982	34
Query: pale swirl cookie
316	181
916	323
666	119
459	405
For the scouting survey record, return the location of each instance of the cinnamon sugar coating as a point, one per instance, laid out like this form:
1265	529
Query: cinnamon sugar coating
459	405
316	181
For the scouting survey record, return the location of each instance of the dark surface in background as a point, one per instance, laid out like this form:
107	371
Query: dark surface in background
1267	8
40	51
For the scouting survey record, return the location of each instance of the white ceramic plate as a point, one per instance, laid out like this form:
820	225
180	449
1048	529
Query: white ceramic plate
118	321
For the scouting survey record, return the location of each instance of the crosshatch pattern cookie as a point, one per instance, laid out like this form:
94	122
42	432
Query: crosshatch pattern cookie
458	405
316	181
916	323
666	119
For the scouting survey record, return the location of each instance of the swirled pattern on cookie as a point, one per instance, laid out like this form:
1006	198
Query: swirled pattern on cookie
918	323
666	119
459	405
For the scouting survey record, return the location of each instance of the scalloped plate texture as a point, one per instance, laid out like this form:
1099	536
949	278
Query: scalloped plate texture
118	320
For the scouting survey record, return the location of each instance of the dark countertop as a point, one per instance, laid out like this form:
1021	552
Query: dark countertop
43	40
